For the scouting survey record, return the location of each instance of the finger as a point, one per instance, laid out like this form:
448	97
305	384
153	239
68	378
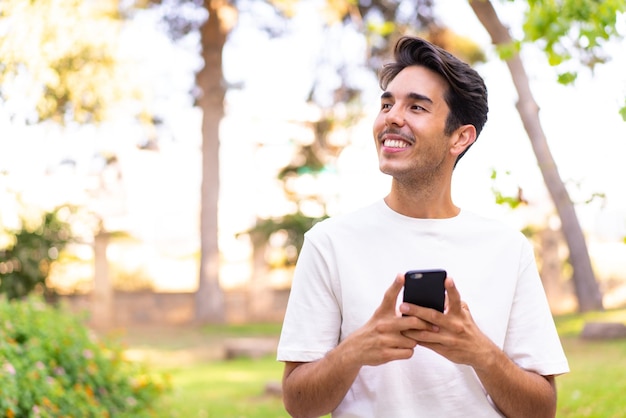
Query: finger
422	337
454	297
390	299
427	318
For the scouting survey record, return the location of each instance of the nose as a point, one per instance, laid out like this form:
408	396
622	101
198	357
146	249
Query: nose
394	116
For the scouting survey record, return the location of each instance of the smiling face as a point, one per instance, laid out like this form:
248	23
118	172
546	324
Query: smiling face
409	130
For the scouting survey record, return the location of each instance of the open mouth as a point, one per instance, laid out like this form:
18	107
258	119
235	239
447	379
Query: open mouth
395	143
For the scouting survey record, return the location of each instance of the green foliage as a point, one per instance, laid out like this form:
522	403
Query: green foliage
513	201
567	77
25	265
530	231
294	225
573	28
381	28
507	51
61	58
52	366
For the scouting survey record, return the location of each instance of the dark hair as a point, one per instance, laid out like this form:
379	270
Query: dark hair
467	94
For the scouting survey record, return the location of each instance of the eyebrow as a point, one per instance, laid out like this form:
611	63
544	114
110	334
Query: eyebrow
412	96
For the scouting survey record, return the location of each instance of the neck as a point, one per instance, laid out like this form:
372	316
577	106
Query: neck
425	201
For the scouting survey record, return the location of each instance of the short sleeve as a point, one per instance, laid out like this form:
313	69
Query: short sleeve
313	316
531	340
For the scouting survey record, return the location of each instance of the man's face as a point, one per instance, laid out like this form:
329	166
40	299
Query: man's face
409	129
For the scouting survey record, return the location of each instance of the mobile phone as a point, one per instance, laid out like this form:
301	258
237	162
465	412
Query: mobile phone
425	288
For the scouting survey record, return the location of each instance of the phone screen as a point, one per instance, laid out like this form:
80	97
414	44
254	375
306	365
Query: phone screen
425	288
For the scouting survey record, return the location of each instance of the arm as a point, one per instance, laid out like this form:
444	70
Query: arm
317	388
515	391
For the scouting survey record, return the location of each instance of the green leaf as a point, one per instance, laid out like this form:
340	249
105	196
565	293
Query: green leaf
567	78
554	58
508	51
382	29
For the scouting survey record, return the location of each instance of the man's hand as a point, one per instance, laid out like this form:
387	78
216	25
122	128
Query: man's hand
453	334
384	336
316	388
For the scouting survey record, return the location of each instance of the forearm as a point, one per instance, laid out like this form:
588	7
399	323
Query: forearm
515	391
316	389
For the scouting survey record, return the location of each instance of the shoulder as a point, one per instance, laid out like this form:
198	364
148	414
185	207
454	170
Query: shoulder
358	218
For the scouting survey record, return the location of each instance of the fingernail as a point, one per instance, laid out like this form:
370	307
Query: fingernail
404	308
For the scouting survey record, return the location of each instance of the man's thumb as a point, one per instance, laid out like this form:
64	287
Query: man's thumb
391	294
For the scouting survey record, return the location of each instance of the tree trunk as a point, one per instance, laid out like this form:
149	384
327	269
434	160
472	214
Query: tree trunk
209	300
587	289
102	293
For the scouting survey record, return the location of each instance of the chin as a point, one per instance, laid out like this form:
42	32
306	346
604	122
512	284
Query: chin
389	169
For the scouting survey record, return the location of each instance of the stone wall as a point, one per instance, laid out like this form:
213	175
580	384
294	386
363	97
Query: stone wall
150	308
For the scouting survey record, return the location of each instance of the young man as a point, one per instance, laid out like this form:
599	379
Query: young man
349	354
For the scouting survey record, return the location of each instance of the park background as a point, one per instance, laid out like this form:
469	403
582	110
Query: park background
151	198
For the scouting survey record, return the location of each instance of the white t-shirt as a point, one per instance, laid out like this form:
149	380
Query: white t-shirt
345	266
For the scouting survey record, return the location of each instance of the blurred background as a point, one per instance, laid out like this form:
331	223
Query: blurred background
161	160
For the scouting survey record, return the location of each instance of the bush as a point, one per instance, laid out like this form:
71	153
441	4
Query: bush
52	366
25	265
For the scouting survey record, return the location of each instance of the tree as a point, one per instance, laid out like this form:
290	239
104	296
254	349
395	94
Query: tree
210	304
214	31
585	284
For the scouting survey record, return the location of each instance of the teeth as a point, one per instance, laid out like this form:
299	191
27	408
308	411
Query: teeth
395	143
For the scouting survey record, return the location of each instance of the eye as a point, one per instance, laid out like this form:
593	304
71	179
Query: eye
385	106
418	107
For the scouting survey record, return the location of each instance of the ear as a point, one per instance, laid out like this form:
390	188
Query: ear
462	138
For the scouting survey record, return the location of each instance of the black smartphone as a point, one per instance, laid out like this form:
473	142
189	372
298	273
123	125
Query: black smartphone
425	288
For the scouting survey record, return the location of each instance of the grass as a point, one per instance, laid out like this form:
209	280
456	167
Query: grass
207	387
227	388
596	385
233	388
